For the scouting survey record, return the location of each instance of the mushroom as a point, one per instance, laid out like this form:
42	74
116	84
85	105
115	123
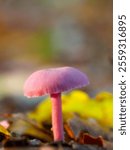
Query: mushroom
53	82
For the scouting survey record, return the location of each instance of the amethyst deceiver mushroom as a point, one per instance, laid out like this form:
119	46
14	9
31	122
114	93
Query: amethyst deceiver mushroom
55	81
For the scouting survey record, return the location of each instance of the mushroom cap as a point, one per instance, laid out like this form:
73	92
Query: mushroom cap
55	80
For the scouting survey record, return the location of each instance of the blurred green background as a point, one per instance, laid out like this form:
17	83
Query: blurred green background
36	34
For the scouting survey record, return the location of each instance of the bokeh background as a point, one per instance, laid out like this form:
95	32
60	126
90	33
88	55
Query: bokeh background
36	34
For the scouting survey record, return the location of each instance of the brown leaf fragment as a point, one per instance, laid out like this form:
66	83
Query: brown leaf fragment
69	131
85	138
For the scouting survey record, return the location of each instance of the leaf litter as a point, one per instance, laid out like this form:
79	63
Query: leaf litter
82	131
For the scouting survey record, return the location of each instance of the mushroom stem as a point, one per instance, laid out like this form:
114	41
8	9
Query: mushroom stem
57	121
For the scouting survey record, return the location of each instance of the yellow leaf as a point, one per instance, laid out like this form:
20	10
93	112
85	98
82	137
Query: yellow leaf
4	131
75	102
107	111
78	102
103	96
93	110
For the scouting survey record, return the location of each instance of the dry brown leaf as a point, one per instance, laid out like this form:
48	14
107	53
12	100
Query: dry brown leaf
85	138
69	131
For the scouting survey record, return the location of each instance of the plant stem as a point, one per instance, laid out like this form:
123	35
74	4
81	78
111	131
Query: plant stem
57	121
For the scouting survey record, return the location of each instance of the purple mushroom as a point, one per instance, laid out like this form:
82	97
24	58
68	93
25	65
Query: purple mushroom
55	81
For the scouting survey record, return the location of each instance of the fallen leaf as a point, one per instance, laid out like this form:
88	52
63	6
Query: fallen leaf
4	131
85	138
22	125
90	126
78	102
4	135
69	132
102	96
